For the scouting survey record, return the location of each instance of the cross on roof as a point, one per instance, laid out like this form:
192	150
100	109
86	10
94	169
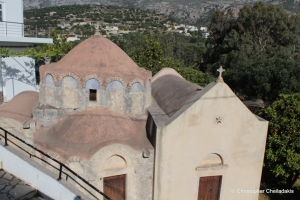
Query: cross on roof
220	70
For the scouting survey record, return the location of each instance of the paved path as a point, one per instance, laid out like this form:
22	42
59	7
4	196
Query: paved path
12	188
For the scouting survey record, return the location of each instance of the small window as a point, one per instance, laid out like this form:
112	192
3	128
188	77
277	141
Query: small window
1	11
93	95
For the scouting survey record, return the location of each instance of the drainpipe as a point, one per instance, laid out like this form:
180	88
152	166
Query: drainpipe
1	77
1	72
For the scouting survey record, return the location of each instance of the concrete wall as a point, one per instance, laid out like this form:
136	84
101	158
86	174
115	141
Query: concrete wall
217	135
18	75
16	164
12	11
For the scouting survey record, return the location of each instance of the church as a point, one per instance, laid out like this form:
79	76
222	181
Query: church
138	137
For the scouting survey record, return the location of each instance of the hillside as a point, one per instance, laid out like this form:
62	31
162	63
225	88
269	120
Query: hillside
82	20
191	11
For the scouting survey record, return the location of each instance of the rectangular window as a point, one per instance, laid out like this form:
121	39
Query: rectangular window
1	11
93	95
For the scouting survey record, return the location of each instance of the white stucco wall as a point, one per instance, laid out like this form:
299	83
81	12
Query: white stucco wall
12	11
182	146
18	75
13	163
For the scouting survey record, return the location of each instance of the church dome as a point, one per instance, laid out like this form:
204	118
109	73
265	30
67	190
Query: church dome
88	131
21	107
97	56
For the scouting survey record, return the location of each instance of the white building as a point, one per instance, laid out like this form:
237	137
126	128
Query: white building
203	28
205	35
72	38
17	73
193	29
111	28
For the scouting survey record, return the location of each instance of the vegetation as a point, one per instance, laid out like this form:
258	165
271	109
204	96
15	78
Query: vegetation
282	157
257	49
54	52
177	51
81	20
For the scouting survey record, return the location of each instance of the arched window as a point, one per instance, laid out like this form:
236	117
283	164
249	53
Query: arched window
115	86
69	82
93	85
136	87
49	80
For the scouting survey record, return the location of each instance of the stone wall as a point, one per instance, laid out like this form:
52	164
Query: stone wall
48	116
130	99
112	160
119	159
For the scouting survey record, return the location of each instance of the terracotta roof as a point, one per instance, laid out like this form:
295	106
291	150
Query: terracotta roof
86	132
21	107
172	92
100	56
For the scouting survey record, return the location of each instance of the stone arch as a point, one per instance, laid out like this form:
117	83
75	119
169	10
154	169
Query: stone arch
103	155
93	76
70	74
115	162
116	79
92	84
76	164
54	155
115	86
49	80
136	86
211	159
69	82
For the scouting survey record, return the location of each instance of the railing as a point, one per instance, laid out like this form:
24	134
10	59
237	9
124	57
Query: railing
1	97
11	29
61	165
23	30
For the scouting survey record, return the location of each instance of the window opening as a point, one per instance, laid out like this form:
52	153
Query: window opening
1	11
93	95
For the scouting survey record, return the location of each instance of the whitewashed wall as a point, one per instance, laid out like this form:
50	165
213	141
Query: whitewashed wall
33	175
18	75
12	12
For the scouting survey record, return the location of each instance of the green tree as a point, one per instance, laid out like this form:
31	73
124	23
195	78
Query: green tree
195	75
151	56
257	50
282	156
54	51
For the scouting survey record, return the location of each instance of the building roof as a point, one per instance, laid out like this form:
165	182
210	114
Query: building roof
172	95
84	133
171	92
100	56
21	107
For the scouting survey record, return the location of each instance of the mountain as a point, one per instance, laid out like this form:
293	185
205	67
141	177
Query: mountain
185	10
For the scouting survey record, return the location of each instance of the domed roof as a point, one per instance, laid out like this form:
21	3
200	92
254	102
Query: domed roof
84	133
100	56
21	107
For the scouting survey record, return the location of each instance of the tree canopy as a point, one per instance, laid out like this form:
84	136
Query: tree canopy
154	52
282	157
54	51
257	48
